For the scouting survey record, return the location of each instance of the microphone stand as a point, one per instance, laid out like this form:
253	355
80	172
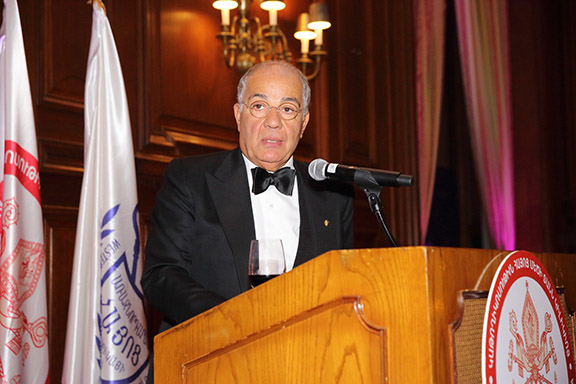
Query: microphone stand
365	180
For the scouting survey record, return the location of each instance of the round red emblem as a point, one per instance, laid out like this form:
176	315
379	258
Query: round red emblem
525	338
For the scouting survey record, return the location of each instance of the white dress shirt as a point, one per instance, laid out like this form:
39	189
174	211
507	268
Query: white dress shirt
276	216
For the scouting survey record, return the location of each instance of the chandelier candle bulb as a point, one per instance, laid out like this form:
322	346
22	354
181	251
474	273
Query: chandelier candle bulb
318	42
225	17
268	5
273	17
225	6
302	31
272	6
305	46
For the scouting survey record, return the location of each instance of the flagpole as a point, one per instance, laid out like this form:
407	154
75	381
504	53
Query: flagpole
100	4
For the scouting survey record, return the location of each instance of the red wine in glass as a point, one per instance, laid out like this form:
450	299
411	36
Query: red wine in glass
266	260
256	280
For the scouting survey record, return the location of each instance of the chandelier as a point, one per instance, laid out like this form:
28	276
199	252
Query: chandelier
246	41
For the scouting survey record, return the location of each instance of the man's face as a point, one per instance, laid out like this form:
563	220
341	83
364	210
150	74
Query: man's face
269	141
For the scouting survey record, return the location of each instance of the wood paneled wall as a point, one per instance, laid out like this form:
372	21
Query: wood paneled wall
371	113
180	96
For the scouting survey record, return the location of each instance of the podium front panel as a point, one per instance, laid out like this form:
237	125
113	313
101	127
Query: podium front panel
331	343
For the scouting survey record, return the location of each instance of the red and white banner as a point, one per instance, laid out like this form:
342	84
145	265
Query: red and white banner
106	340
23	320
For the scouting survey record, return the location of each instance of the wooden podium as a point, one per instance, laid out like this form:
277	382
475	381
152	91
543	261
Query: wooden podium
357	316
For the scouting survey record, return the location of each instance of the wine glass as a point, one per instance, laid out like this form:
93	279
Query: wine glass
266	260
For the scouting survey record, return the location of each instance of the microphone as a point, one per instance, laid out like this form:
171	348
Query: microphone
320	169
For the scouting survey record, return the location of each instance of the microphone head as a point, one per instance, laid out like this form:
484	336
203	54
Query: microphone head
316	169
405	180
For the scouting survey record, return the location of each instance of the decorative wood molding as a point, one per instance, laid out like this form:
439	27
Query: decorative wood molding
61	156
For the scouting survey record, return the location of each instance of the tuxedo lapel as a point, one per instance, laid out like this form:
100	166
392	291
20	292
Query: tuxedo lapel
306	249
230	193
310	211
320	224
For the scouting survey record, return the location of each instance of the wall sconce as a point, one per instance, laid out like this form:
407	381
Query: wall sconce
246	41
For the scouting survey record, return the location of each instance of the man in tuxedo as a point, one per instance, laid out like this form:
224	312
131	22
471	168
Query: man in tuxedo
210	207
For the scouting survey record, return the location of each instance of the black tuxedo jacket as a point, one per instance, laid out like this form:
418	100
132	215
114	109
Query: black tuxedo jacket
202	224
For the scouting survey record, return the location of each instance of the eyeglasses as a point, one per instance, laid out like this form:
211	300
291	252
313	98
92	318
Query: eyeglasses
261	109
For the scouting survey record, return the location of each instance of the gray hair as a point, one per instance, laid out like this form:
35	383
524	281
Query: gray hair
289	67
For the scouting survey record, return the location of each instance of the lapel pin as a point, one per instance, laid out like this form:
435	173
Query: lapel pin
326	223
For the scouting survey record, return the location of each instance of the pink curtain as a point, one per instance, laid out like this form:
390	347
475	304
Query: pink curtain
430	15
483	41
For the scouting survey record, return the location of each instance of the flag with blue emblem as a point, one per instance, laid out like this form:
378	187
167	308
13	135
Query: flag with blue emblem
106	340
23	312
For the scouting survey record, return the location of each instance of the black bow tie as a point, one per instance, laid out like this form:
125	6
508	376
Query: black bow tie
282	179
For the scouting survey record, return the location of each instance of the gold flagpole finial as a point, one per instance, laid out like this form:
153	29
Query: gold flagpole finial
100	4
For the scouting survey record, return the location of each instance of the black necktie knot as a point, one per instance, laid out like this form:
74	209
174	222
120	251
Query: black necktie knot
282	179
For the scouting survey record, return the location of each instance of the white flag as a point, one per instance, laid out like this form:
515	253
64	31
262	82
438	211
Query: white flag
24	326
106	340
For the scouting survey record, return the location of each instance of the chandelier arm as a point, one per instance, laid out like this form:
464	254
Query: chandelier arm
232	45
317	61
271	35
259	39
229	57
287	55
229	46
274	42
